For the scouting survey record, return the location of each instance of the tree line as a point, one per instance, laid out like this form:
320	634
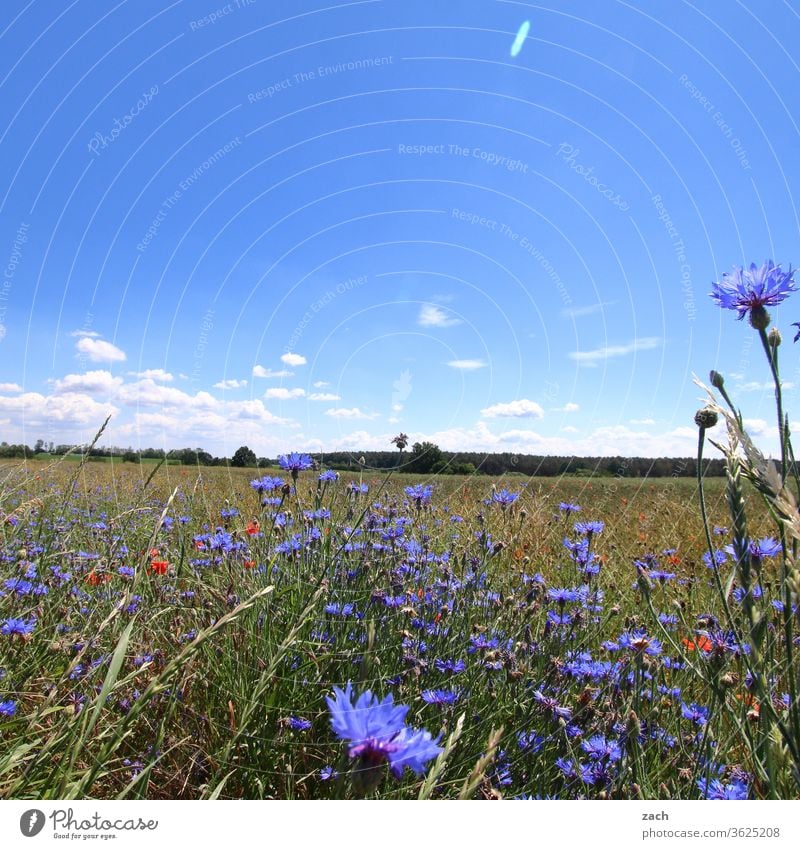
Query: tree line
423	458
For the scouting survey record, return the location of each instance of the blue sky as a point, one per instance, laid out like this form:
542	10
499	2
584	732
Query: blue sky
303	225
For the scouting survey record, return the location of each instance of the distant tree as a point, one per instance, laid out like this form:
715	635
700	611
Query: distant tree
130	457
244	456
425	458
39	446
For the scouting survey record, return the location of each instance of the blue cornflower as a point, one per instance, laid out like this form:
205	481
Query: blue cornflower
566	507
599	748
720	530
697	713
266	484
529	741
327	773
715	789
18	585
356	488
661	575
421	493
754	289
558	619
295	462
719	558
377	733
298	723
550	704
440	697
17	626
589	528
504	498
639	641
739	593
452	666
329	475
767	547
562	596
8	708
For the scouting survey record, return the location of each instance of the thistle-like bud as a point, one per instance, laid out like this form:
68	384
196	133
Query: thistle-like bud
759	318
717	380
774	337
705	418
633	726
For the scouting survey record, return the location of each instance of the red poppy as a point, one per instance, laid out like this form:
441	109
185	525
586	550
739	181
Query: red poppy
249	564
703	643
252	528
159	567
94	579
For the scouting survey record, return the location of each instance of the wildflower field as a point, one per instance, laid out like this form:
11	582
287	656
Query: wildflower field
175	633
178	637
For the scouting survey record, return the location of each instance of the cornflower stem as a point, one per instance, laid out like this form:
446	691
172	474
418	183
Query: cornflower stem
772	358
717	580
787	454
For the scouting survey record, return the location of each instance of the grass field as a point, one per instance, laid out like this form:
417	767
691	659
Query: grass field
177	637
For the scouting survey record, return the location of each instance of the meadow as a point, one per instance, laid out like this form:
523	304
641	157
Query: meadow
170	632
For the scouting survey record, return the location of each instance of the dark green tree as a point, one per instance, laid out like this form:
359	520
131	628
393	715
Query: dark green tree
244	456
425	458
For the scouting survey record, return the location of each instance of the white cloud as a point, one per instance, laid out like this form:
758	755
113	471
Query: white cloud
34	409
523	408
757	427
92	382
284	394
260	371
352	413
324	396
293	359
643	421
2	332
432	316
100	351
569	407
591	358
10	387
88	334
321	384
755	386
153	374
230	384
148	393
569	429
467	365
590	309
